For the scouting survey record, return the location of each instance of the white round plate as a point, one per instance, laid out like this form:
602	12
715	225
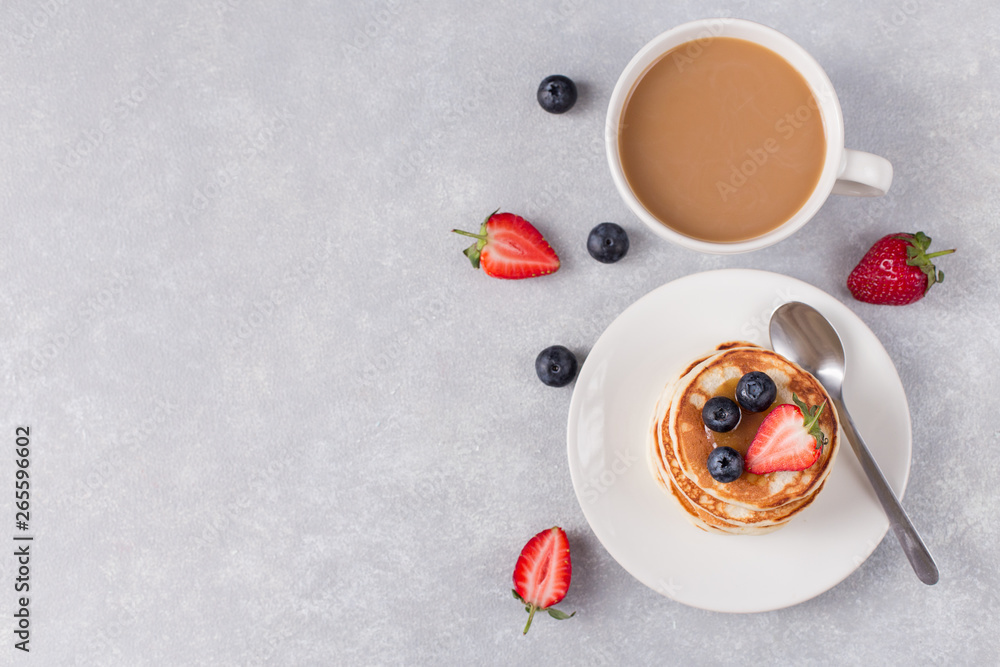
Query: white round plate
643	528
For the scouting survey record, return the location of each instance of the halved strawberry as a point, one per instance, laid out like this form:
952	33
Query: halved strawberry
510	247
542	574
788	439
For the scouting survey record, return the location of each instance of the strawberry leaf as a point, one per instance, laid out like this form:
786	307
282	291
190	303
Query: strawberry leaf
472	252
475	250
916	255
517	596
811	420
559	615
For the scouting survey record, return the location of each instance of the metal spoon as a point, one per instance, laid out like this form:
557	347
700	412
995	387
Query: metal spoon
801	333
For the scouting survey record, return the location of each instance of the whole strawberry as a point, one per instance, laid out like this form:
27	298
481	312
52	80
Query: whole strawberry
508	246
896	271
543	573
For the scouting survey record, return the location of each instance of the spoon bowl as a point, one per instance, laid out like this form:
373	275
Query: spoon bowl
802	334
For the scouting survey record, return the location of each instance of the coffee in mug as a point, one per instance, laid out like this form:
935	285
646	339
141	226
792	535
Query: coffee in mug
725	136
724	144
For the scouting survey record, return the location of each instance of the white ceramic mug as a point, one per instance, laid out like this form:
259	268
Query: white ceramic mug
845	171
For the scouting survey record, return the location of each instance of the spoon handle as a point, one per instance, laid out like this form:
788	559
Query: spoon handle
907	535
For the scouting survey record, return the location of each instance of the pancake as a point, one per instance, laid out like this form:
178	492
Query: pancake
692	442
695	514
678	444
701	519
732	515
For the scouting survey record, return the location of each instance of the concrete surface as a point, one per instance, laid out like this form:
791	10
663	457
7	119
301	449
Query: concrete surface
275	417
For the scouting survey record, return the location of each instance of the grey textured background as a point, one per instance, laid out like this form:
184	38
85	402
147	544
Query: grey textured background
277	419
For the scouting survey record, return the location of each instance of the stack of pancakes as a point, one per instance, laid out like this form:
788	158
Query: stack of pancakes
680	443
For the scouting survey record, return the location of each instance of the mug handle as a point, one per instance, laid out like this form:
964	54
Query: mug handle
863	175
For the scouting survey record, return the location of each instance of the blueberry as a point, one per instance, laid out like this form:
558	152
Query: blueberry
755	392
556	366
720	414
725	464
557	93
607	243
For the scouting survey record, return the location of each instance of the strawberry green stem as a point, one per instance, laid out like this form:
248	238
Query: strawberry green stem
531	615
815	418
939	253
481	237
